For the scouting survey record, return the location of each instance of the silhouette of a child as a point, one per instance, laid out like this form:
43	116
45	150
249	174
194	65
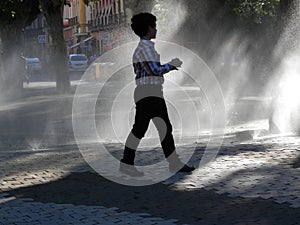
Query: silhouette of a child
149	99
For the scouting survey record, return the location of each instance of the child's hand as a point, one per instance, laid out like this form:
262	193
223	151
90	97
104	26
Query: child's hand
176	62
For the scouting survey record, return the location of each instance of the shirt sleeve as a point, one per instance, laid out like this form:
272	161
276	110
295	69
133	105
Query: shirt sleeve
150	61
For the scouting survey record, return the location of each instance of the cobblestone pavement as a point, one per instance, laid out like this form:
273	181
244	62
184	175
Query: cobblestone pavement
250	182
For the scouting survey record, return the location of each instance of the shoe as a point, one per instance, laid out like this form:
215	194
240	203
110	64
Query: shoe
184	169
187	169
130	170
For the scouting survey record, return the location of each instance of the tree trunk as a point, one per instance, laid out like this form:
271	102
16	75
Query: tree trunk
53	13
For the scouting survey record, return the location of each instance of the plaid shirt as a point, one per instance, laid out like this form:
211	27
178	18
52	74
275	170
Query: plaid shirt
146	64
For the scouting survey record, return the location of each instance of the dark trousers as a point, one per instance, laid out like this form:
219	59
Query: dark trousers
150	105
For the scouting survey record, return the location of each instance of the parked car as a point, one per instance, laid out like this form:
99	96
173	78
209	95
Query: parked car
33	65
77	62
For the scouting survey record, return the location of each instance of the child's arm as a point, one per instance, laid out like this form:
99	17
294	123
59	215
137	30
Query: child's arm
157	69
150	61
154	68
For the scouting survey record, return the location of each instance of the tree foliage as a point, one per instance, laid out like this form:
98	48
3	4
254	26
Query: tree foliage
16	12
14	15
256	11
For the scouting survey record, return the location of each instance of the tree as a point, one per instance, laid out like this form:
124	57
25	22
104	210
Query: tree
53	12
255	10
14	15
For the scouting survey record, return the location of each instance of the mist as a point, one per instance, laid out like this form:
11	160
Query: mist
243	62
257	72
235	57
284	88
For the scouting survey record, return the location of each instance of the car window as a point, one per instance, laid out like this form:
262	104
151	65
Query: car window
32	60
78	58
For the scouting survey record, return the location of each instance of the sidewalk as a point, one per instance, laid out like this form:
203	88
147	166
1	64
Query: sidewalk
45	180
249	183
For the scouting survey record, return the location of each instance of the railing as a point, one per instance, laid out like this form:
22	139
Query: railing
70	22
73	21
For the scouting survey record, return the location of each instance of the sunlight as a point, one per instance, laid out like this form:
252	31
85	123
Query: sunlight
165	11
288	102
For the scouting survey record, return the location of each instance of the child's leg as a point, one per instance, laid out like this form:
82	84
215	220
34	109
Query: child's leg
138	131
164	127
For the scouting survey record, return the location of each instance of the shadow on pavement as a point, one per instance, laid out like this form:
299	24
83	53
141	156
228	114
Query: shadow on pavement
194	206
296	163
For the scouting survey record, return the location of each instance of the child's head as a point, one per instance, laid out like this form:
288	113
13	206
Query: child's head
141	22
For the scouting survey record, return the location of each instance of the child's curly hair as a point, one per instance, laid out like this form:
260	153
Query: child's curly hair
140	23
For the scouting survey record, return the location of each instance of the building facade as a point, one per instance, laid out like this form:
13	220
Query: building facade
76	31
92	29
108	23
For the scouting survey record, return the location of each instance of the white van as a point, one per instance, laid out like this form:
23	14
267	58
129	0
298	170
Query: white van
77	62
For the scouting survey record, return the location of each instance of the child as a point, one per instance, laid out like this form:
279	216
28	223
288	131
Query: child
148	97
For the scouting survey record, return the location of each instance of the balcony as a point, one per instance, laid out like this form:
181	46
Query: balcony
106	22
